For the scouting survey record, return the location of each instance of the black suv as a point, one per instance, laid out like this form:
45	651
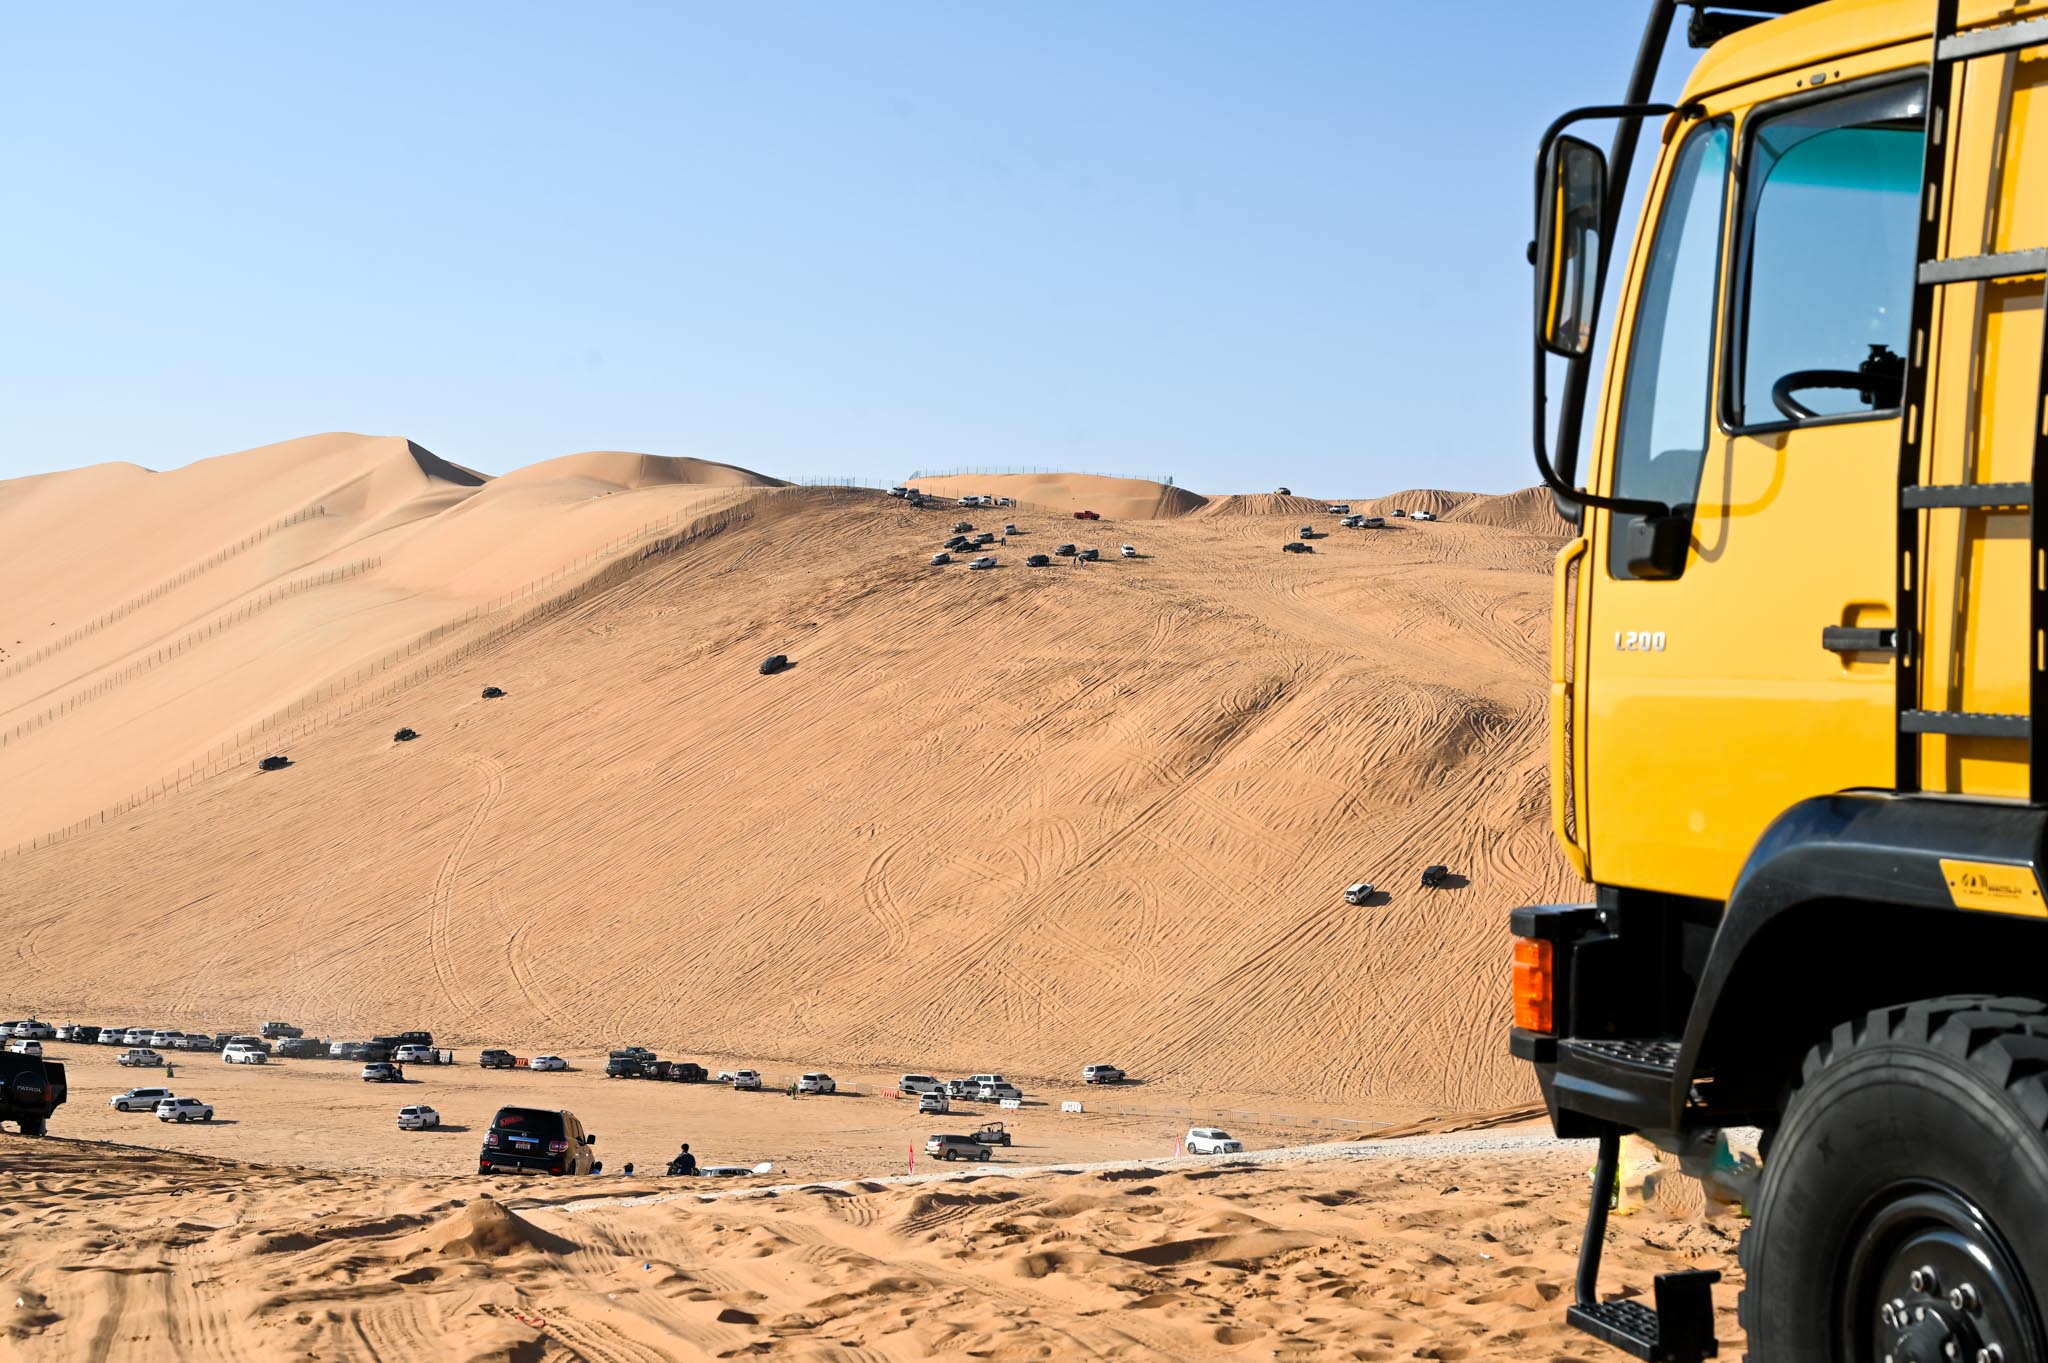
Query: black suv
533	1140
31	1088
635	1062
302	1048
688	1072
497	1060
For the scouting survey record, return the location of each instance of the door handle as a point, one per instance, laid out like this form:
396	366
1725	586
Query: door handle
1851	639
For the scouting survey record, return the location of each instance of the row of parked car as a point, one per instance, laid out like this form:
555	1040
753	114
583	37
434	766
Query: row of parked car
147	1045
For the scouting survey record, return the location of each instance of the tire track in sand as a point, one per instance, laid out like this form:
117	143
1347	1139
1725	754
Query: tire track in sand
440	909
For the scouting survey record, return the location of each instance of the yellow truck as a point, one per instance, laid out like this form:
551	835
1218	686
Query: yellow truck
1798	645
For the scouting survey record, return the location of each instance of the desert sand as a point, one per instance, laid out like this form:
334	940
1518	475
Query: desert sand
1442	1249
1021	820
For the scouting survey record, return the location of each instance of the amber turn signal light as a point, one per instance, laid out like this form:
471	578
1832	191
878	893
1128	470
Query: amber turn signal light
1534	988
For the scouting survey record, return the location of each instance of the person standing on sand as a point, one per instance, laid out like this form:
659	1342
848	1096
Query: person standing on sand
169	1069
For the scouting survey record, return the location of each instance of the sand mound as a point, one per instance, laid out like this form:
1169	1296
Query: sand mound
1530	511
1433	500
1263	504
483	1229
1128	499
625	469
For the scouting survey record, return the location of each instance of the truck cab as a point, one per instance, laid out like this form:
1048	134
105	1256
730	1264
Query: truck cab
1797	643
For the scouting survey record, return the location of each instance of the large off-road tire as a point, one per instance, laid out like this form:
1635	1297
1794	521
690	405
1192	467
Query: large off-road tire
1904	1202
33	1126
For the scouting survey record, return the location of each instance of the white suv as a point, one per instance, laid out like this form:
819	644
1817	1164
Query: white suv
165	1038
417	1118
816	1083
1000	1091
416	1055
919	1083
1212	1140
137	1036
1101	1074
241	1053
184	1110
747	1079
142	1056
138	1100
35	1031
114	1036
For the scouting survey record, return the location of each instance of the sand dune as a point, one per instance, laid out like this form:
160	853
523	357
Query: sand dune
122	1254
1124	499
623	469
1263	504
1530	511
1028	818
1025	819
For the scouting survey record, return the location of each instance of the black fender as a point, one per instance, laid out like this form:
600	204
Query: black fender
1843	906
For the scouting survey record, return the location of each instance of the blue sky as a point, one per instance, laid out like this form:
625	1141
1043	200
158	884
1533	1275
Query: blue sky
1238	244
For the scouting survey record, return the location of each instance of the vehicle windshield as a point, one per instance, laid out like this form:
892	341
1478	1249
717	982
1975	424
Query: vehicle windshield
532	1121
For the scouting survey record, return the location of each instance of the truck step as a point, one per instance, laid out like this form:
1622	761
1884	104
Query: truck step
1629	1081
1996	265
1679	1330
1628	1325
1921	497
1987	42
1966	724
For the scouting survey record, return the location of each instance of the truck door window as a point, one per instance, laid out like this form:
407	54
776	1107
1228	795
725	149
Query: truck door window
1667	396
1832	198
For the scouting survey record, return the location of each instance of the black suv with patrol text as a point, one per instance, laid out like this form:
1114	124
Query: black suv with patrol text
534	1140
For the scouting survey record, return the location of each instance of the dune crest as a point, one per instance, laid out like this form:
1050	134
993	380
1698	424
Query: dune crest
627	469
1129	499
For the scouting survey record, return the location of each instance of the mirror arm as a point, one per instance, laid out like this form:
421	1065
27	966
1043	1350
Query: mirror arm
1578	370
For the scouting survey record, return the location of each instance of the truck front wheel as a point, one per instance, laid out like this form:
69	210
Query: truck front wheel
1903	1212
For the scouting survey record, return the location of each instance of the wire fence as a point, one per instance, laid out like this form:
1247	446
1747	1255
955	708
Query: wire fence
970	471
161	589
612	563
185	642
842	480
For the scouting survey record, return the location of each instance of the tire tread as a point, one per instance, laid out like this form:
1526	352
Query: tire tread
2003	1037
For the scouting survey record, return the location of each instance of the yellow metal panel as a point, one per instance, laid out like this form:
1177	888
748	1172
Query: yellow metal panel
1691	751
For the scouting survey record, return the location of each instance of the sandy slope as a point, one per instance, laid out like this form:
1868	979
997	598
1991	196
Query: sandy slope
123	1254
150	618
1024	819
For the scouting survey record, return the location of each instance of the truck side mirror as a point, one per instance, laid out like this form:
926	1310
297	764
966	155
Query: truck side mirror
1568	246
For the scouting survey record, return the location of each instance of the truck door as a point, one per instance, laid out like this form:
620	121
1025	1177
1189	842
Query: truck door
1759	396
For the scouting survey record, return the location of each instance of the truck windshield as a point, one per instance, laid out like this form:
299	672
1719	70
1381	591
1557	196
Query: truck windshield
1827	249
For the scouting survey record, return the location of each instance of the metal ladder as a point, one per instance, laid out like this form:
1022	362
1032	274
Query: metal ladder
1952	50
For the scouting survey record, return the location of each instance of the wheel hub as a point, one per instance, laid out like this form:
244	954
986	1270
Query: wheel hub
1940	1286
